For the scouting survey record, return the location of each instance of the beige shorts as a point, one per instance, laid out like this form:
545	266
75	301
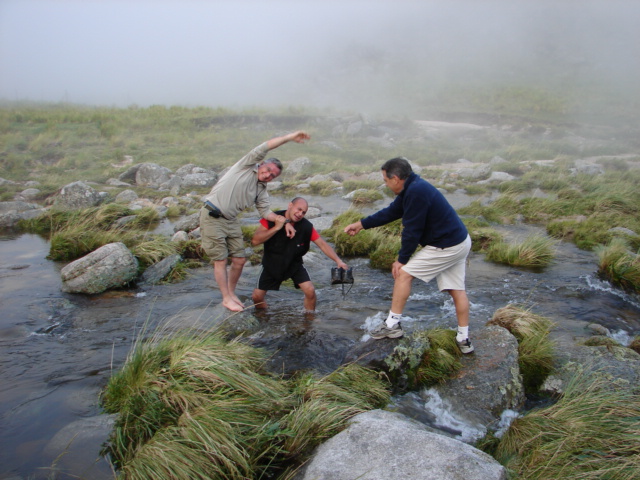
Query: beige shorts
221	238
446	265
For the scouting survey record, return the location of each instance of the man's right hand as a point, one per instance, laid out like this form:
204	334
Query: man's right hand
299	136
353	228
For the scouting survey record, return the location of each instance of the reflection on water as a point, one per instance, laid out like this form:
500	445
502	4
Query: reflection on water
58	350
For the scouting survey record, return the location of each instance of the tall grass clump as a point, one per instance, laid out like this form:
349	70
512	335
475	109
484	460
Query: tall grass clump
620	266
535	348
194	405
591	432
535	251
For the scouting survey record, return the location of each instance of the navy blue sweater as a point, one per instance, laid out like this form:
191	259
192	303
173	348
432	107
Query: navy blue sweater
427	218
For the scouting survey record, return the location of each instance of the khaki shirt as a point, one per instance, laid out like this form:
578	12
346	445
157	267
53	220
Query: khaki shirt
239	188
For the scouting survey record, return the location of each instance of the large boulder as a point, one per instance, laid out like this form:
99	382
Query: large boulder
110	266
488	383
77	195
383	445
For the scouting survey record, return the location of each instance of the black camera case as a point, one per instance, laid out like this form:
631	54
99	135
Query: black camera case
340	275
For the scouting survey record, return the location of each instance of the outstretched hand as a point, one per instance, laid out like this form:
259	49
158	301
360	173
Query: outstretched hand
353	228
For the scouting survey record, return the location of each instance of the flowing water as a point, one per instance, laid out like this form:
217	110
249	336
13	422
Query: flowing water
58	350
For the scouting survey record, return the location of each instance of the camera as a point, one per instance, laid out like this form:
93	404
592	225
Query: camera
340	275
213	210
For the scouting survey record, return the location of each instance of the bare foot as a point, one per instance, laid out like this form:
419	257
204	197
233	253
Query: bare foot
233	306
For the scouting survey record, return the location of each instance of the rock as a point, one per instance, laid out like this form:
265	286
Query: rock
4	181
481	171
297	166
383	445
126	196
129	176
623	231
312	212
12	212
620	364
497	160
322	223
201	179
114	182
77	195
158	271
180	236
597	329
152	175
497	177
381	142
169	202
28	194
188	223
112	265
273	186
76	447
319	178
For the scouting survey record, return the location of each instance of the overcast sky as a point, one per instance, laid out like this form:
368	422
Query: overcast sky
323	52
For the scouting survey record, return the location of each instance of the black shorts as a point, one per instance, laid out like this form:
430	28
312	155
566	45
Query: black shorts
267	281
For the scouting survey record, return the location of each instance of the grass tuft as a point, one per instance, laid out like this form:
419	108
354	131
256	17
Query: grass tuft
535	251
592	432
535	348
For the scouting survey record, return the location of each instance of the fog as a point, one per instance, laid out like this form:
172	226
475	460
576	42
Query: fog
364	55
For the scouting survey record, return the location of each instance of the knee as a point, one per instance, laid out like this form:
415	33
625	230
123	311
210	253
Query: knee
238	261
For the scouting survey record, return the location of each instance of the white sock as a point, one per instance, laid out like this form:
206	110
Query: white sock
463	333
392	319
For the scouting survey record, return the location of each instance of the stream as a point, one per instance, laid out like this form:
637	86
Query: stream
58	350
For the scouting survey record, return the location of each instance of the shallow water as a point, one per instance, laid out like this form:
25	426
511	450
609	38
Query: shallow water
58	350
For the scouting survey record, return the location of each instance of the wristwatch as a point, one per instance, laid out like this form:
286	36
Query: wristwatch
286	220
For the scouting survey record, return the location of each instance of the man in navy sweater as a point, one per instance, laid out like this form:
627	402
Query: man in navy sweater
430	221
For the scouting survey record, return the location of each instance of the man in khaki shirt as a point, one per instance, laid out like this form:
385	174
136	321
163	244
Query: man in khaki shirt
244	185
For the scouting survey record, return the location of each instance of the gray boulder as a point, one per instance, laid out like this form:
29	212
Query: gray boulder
200	179
188	223
497	177
299	165
382	445
477	173
77	195
28	194
158	271
152	175
112	265
126	196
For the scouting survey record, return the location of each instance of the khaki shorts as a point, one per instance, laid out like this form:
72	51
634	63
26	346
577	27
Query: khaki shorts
221	238
446	265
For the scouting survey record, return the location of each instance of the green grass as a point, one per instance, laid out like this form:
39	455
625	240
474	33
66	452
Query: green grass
619	265
535	251
535	348
591	432
193	405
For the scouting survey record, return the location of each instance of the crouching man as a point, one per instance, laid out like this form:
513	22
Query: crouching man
282	257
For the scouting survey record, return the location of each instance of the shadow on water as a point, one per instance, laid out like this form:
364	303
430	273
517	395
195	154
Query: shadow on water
58	350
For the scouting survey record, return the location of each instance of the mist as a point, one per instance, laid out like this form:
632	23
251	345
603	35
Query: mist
370	56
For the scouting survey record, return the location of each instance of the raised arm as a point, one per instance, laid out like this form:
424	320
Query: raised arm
298	137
